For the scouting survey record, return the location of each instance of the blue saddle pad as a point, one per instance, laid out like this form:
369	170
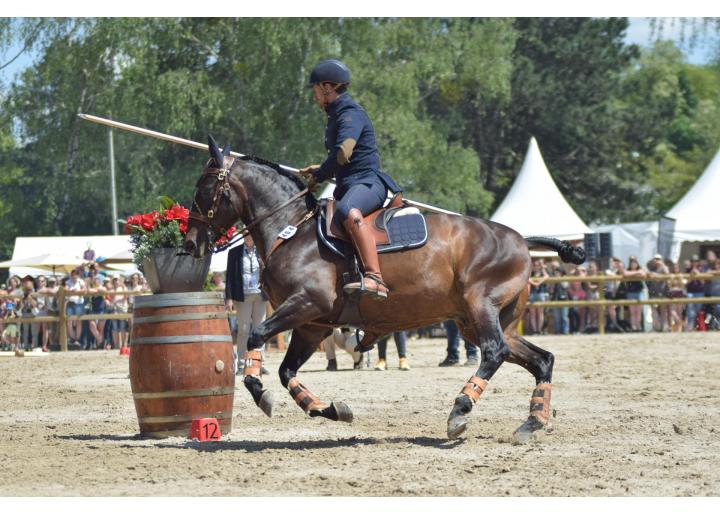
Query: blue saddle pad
406	230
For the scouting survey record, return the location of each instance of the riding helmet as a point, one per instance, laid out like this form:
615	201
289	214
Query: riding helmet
329	70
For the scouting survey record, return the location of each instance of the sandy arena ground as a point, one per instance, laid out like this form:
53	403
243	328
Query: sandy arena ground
635	415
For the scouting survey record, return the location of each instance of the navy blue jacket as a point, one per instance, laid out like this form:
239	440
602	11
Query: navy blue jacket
347	120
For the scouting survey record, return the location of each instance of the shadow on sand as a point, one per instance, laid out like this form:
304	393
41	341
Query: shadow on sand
101	437
259	446
349	442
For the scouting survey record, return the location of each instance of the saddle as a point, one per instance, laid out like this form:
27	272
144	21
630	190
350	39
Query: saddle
395	227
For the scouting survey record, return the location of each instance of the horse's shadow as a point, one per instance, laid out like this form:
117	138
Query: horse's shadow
259	446
101	437
317	444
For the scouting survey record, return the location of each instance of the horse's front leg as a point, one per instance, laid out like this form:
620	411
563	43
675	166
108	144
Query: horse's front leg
295	311
305	340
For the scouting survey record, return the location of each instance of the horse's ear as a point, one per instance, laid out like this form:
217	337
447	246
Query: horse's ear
215	152
226	150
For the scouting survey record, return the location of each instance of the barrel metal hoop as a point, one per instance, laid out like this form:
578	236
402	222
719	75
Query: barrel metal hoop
186	393
210	338
175	303
147	420
188	316
178	300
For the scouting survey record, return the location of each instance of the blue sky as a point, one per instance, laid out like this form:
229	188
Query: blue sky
639	32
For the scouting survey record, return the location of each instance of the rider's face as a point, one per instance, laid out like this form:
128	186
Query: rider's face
319	95
324	94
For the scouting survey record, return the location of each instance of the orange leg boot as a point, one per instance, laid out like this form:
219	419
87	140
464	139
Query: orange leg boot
372	283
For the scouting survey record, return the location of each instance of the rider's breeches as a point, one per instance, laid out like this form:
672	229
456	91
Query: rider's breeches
367	198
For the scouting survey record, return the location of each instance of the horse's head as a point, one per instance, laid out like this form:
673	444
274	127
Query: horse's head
216	206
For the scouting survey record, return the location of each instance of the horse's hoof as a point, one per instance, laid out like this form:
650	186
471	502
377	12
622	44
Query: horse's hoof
344	412
266	403
528	431
456	426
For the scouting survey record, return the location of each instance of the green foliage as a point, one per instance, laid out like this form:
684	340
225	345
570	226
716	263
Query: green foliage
166	202
565	81
454	103
672	129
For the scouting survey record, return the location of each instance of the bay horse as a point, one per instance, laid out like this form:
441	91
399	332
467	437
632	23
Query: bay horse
470	270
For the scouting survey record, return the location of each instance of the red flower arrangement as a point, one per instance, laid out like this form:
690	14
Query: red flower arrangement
145	222
179	213
164	228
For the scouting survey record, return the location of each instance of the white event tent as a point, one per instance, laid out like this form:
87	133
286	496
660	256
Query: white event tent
105	247
695	222
534	206
695	216
638	239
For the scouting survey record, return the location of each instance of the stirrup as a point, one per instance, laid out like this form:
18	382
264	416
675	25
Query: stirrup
359	287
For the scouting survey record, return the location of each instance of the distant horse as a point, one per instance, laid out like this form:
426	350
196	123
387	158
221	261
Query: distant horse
470	270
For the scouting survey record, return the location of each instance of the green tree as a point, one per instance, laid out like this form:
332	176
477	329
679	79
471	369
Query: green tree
671	129
243	80
566	77
454	103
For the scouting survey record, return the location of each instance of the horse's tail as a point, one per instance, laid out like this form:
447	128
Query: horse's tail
566	251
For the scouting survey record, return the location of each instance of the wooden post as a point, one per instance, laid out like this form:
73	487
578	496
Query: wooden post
62	329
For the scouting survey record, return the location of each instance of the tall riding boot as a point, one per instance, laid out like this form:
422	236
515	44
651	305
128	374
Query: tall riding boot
372	283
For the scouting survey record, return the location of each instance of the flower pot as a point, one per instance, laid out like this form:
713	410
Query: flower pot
168	272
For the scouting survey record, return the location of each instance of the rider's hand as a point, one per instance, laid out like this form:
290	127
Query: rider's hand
308	173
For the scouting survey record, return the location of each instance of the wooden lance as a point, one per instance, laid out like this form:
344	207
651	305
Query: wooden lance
201	146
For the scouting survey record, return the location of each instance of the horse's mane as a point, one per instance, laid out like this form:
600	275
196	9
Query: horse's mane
292	179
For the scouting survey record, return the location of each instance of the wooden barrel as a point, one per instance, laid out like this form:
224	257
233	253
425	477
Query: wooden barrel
181	362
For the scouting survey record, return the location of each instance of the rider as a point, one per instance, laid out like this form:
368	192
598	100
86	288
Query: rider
354	161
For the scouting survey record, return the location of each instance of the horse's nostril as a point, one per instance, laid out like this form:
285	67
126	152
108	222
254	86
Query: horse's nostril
189	246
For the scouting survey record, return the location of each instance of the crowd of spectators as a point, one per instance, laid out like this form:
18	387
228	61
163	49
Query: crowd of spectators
23	297
633	318
37	296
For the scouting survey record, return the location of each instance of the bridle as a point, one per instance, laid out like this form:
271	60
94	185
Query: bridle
222	187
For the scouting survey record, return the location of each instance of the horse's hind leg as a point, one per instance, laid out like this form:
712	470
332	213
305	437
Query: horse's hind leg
485	331
540	363
537	361
305	340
